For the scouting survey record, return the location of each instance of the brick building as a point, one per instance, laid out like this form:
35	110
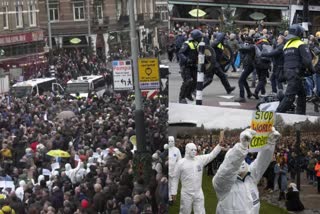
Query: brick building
21	38
109	23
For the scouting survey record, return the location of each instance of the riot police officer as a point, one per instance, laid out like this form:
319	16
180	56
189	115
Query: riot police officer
297	61
188	58
218	47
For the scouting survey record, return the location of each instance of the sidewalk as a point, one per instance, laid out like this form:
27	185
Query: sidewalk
308	195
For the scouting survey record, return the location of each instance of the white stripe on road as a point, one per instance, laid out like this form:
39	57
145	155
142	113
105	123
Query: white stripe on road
229	104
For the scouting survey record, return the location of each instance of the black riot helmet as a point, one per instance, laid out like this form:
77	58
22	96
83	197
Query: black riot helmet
295	31
196	35
220	37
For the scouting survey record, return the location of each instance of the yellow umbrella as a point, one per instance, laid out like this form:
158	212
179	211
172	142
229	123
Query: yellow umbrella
197	13
58	153
133	140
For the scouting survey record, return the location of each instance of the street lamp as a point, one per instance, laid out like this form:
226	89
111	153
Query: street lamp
297	127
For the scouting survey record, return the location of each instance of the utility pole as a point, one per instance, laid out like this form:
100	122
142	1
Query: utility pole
298	153
142	159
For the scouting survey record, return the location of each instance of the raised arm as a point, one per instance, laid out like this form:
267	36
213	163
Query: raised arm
260	165
205	159
227	173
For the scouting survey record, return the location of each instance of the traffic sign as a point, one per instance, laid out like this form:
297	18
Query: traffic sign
149	73
122	75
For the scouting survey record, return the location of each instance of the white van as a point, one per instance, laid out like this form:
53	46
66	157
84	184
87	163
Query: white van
36	87
86	85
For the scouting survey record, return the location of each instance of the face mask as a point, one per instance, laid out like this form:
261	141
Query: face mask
171	141
244	167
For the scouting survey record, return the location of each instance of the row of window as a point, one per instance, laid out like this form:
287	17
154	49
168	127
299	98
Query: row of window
22	49
32	15
78	12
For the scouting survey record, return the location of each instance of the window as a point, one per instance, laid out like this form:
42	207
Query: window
5	18
54	12
99	12
19	20
32	15
78	11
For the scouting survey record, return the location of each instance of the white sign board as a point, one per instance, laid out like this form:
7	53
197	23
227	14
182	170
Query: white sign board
122	75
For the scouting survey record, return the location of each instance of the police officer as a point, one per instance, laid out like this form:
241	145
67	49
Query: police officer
218	48
188	58
297	58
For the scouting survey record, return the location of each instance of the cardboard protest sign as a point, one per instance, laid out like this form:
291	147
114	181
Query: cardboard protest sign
262	122
46	172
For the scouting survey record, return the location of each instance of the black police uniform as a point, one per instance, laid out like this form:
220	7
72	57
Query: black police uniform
218	48
297	58
188	56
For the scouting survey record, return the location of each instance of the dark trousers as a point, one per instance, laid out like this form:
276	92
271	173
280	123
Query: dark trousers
262	77
243	84
318	178
295	87
189	77
275	83
222	76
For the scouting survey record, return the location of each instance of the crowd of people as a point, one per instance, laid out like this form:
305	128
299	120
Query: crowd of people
99	173
259	52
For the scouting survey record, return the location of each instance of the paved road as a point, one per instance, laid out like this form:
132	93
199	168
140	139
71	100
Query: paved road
215	95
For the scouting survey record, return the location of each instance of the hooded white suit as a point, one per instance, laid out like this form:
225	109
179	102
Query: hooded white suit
237	195
190	170
174	157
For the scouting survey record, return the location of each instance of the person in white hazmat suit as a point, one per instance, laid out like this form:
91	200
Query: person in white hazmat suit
236	182
189	170
174	157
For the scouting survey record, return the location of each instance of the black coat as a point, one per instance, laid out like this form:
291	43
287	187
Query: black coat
293	202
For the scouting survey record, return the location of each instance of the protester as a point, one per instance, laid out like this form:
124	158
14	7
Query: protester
190	171
293	202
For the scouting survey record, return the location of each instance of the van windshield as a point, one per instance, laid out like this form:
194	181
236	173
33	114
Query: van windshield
21	91
73	88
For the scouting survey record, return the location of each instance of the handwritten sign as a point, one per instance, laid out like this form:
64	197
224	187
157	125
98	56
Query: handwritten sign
262	122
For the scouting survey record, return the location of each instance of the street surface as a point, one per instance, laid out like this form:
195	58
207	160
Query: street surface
215	94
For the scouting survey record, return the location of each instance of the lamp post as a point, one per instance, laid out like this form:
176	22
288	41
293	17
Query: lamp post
297	127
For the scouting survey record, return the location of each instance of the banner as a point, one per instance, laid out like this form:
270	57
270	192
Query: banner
262	122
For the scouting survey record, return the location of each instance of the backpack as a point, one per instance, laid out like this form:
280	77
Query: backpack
262	62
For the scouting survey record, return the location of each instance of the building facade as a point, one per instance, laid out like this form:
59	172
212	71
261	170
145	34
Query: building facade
21	38
105	22
276	12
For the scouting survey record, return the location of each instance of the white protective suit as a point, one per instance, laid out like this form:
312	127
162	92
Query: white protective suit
174	157
71	173
190	170
236	194
20	190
